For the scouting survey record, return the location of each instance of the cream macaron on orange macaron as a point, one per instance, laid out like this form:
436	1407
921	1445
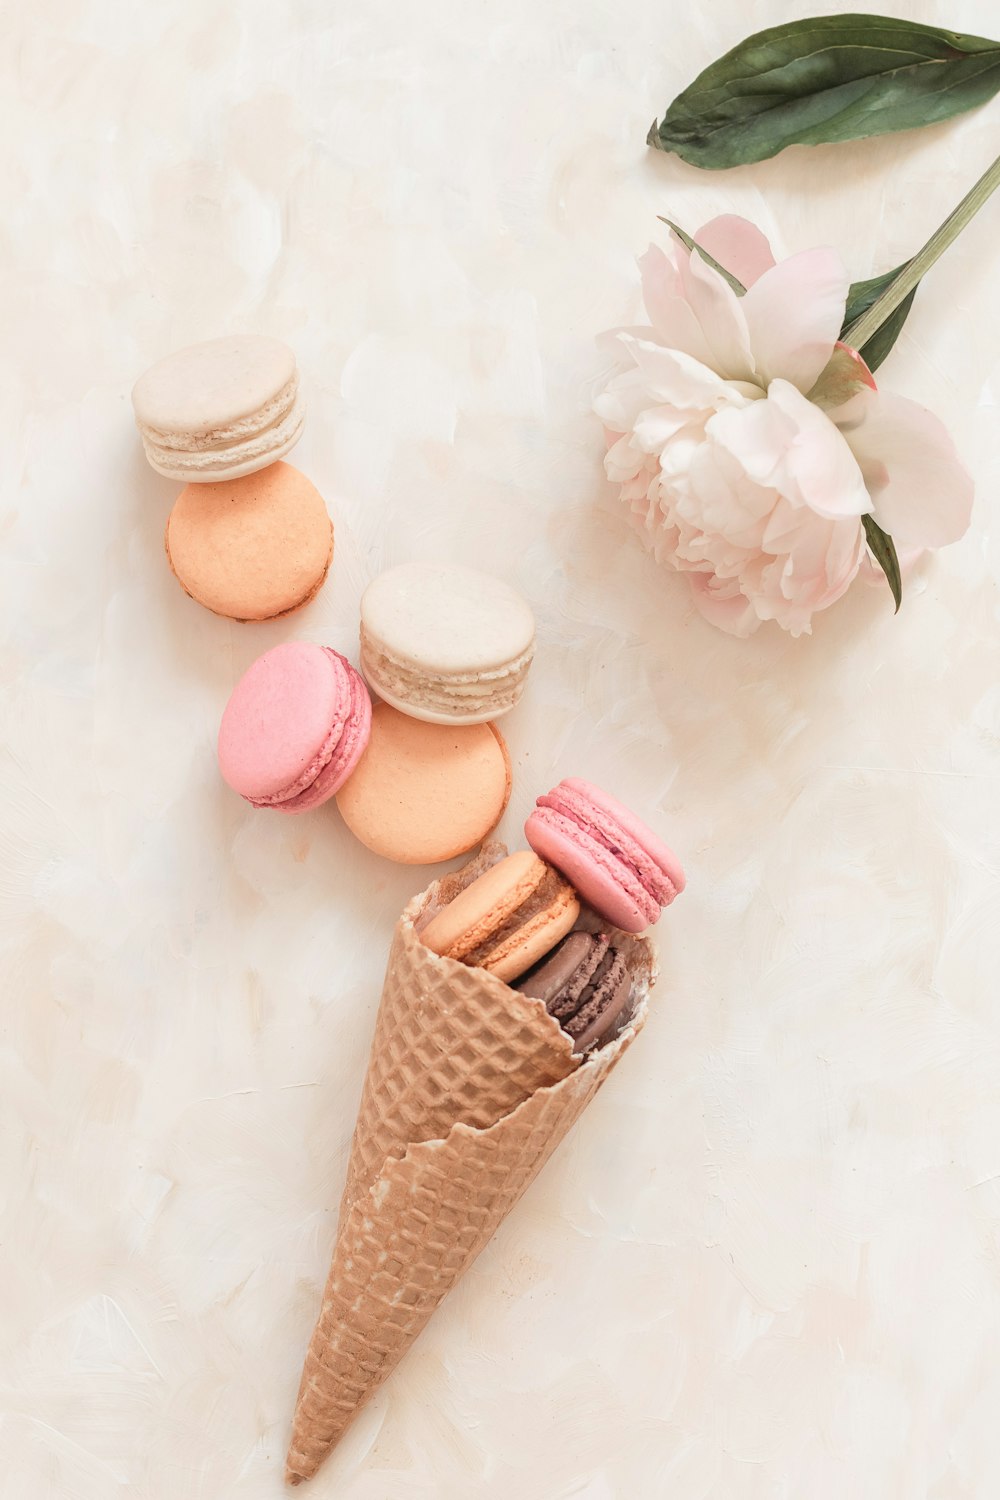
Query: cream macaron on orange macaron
252	548
220	409
449	645
423	792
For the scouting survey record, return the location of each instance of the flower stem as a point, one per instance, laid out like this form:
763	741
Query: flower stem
883	307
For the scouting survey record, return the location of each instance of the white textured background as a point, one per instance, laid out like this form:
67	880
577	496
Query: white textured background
767	1264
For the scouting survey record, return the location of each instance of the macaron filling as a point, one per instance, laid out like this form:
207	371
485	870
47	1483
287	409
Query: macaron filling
402	683
604	1005
226	455
484	952
264	419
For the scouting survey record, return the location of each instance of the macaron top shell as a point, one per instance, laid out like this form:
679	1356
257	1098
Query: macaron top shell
213	385
447	619
298	716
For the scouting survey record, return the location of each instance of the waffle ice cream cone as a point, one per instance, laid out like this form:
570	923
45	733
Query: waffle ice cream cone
470	1087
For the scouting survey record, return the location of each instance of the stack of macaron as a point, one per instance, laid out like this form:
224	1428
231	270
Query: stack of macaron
423	774
524	919
249	536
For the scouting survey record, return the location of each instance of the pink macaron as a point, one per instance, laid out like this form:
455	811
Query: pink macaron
616	863
294	728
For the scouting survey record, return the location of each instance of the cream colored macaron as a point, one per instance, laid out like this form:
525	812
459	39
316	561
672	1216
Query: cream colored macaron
446	644
221	409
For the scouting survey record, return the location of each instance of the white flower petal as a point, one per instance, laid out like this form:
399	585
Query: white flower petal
794	313
621	401
737	245
921	492
725	607
788	443
657	425
623	461
673	378
671	315
720	313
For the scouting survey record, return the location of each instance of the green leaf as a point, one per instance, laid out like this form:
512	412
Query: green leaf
693	245
829	78
860	298
883	549
841	379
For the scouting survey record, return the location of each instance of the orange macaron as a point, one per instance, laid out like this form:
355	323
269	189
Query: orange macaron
251	548
508	919
425	792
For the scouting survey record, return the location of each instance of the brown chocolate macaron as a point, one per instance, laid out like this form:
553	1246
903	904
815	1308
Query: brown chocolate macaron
585	985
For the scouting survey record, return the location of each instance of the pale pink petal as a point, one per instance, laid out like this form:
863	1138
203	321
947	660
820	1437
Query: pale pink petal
738	246
789	444
921	492
724	606
671	315
720	313
609	344
623	461
793	314
621	401
657	425
673	378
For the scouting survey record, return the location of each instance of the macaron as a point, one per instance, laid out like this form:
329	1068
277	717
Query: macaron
617	864
446	644
586	986
219	409
426	792
251	548
294	728
507	919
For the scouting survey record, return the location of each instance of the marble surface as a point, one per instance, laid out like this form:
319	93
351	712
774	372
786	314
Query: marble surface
766	1263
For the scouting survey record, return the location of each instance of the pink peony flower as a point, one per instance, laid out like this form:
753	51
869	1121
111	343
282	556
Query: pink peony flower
732	473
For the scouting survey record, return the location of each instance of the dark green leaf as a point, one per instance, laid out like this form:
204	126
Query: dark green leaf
829	78
883	549
693	245
859	299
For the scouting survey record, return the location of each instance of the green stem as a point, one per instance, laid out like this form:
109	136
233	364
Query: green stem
883	307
